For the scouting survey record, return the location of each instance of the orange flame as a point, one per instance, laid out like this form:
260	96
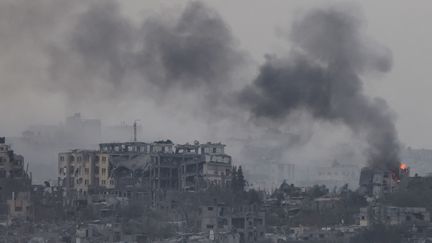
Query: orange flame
403	166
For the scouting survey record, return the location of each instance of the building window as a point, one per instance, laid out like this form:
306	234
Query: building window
103	171
87	171
210	208
103	182
86	182
61	158
103	159
209	226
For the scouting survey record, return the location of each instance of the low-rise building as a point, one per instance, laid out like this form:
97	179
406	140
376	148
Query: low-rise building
20	207
390	215
248	221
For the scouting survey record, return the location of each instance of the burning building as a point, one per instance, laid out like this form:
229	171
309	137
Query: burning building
377	182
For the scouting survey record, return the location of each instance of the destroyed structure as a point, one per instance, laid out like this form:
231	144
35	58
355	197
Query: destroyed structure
219	219
390	215
169	188
15	185
376	182
139	169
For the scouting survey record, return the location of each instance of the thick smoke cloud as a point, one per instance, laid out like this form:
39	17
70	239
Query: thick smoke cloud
104	49
91	54
102	38
60	57
92	57
323	75
198	49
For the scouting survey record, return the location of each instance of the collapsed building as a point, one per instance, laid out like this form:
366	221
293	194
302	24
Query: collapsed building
139	169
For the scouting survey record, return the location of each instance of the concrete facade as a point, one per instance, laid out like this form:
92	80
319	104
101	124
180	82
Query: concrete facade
391	215
20	206
15	185
247	221
157	166
78	171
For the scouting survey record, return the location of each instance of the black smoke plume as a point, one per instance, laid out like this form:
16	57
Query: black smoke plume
90	52
323	75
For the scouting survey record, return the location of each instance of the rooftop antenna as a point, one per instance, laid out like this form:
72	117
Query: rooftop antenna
135	130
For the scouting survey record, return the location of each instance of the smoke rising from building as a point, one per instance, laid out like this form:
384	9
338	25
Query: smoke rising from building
95	57
323	75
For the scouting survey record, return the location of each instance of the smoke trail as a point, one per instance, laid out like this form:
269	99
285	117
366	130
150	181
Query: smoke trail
330	53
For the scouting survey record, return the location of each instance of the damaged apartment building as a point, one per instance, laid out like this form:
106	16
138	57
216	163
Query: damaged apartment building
375	182
15	186
139	169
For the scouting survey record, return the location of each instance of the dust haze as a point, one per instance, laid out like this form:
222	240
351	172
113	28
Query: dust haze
185	76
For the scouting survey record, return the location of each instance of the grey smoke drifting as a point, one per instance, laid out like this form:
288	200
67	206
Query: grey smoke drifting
105	49
323	75
110	66
60	57
197	50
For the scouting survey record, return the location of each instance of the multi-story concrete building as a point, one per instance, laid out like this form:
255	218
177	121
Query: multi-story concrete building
11	164
136	163
20	206
376	182
78	171
248	221
157	166
15	184
390	215
202	164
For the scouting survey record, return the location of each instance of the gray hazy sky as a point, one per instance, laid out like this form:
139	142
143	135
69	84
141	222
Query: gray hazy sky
403	26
